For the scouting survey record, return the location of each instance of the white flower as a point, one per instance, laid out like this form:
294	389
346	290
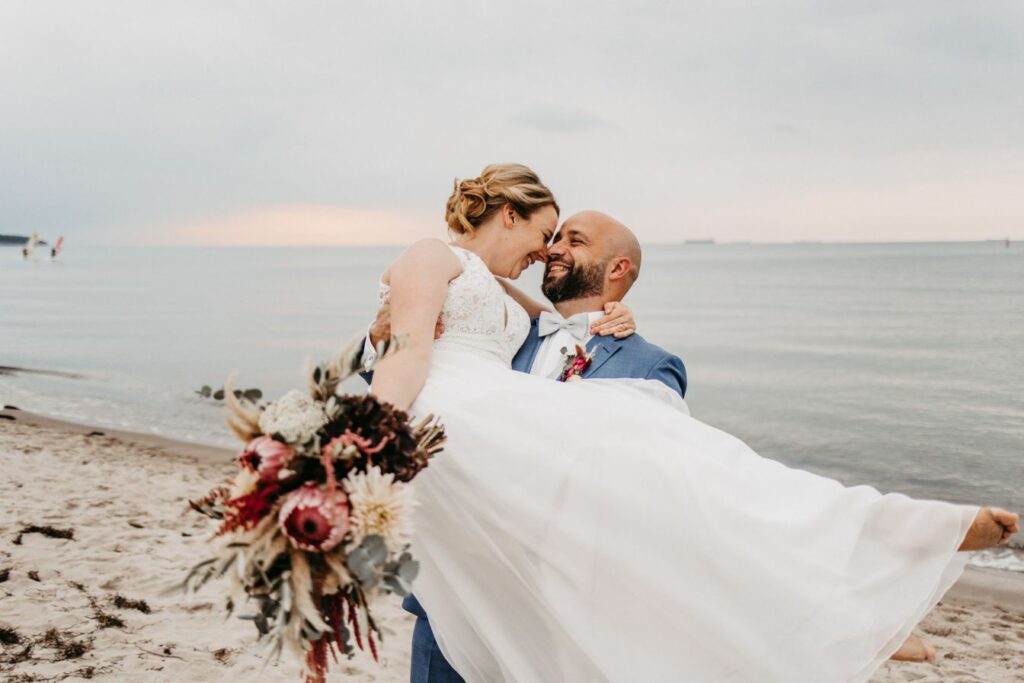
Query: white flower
380	505
295	416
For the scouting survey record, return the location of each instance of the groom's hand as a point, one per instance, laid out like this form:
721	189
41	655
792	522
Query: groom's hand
380	330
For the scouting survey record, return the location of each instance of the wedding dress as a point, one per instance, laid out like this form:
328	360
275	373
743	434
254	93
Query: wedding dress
582	531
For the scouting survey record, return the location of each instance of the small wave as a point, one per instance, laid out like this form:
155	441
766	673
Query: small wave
1005	558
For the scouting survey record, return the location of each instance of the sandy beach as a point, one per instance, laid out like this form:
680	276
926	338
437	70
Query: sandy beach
95	526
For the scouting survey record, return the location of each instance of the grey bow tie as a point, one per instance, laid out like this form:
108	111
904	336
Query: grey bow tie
578	325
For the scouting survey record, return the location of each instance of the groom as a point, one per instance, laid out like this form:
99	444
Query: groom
593	261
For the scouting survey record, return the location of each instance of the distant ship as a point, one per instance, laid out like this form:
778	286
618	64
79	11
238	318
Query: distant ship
699	241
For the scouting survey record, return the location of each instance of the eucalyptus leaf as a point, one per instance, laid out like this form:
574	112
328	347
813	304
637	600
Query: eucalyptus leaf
375	548
360	565
397	585
409	570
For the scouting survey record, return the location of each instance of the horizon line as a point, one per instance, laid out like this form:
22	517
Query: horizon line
688	242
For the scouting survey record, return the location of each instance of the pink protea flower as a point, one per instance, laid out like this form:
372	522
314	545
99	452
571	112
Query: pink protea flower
265	456
314	519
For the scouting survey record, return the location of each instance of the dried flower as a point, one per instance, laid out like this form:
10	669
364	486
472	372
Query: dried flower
247	510
382	435
265	456
243	484
314	519
337	447
380	506
294	416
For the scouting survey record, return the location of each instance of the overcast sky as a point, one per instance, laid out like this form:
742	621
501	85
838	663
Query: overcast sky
345	122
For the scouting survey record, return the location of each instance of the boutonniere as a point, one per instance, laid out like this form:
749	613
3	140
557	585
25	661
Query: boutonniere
575	364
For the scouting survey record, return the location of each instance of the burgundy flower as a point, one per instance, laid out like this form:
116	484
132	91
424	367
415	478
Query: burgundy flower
265	456
382	435
247	510
314	519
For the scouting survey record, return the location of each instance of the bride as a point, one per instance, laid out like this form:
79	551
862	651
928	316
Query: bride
576	532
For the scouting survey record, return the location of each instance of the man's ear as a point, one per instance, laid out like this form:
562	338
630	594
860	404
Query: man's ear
620	268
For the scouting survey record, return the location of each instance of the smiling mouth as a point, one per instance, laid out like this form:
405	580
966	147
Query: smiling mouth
557	268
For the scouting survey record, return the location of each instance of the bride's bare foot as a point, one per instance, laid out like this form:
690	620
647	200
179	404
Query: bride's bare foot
915	649
991	527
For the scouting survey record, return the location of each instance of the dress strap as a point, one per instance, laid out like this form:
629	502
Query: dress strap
469	259
464	255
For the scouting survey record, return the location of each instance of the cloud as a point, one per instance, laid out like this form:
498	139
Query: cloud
559	120
124	122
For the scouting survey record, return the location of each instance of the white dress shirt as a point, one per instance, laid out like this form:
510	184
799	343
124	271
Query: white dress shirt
369	353
550	360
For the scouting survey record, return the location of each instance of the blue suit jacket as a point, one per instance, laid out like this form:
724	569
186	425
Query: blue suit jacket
633	357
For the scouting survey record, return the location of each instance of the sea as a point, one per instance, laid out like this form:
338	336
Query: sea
900	366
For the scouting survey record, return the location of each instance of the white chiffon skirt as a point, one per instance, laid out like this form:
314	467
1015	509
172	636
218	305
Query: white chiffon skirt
587	532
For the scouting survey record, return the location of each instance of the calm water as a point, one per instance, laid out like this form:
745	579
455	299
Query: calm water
900	366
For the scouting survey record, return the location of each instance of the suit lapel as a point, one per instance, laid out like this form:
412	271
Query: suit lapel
523	361
603	349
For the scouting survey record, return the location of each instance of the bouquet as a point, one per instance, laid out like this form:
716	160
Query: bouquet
318	518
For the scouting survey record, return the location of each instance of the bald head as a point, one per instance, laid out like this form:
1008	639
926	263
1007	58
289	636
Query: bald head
616	238
593	256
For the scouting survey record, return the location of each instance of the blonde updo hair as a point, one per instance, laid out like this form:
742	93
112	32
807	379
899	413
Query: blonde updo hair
475	200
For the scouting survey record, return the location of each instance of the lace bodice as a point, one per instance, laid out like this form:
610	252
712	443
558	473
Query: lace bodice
477	314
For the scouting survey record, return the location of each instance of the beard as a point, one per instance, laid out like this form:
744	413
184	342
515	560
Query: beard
578	282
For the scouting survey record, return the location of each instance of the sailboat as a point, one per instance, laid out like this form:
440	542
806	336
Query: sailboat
56	248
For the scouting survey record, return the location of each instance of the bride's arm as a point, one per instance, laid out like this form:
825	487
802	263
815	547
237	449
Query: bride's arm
419	284
532	306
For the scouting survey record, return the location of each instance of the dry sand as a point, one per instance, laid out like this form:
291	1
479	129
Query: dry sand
123	496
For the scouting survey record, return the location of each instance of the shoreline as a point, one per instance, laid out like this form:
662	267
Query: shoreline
205	451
